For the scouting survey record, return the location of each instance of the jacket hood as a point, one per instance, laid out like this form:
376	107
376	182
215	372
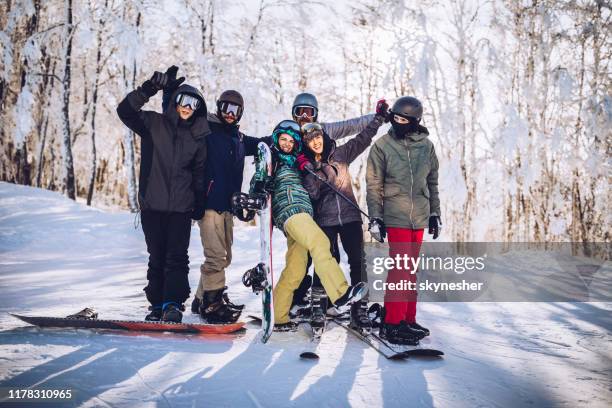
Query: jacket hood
329	145
186	89
199	123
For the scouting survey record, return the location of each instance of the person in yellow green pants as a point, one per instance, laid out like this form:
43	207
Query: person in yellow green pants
292	213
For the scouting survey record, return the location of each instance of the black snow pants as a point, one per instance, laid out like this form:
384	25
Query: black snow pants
167	237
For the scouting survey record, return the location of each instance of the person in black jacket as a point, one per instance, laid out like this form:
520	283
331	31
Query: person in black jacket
171	186
227	148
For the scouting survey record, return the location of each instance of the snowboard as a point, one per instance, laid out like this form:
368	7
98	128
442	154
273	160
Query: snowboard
261	278
129	325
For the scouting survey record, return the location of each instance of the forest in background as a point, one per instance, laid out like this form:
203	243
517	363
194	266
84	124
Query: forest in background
517	94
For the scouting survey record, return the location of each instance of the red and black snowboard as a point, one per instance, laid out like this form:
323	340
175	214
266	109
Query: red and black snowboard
95	323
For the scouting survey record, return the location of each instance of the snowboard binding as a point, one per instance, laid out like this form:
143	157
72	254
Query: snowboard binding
245	205
85	314
255	278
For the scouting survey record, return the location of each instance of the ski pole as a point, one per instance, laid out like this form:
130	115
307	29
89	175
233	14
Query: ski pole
335	190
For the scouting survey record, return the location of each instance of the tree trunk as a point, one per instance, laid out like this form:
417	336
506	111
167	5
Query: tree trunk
69	180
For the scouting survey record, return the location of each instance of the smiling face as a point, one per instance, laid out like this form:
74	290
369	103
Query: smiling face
229	117
184	112
316	144
285	143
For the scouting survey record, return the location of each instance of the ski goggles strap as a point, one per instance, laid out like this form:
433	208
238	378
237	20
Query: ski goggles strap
188	101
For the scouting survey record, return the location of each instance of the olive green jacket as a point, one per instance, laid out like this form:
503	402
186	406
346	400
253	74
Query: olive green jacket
402	180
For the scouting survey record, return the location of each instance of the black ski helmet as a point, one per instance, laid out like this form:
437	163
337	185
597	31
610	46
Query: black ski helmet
230	96
409	107
305	99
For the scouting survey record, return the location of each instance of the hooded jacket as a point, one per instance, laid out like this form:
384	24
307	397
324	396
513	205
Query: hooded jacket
173	152
402	180
329	208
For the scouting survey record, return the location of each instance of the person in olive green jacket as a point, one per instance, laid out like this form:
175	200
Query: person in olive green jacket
402	198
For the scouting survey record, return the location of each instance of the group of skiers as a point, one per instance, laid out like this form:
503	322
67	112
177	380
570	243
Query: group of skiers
192	164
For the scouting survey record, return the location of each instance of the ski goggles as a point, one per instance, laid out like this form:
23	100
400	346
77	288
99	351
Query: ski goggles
304	111
188	101
288	126
311	130
230	108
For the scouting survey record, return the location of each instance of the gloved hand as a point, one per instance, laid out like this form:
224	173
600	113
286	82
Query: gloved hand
304	163
435	226
199	207
153	85
382	109
173	83
377	229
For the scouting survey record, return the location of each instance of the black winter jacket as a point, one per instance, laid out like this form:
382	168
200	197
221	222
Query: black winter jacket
173	152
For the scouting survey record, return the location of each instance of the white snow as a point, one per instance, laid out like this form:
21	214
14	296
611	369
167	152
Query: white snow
58	256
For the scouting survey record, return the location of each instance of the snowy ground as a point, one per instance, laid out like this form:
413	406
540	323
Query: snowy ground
57	256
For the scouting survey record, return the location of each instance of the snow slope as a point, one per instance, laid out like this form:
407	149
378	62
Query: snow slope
58	256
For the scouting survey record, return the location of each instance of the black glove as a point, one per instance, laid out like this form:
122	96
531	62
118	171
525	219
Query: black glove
199	207
382	109
435	226
156	83
173	83
377	229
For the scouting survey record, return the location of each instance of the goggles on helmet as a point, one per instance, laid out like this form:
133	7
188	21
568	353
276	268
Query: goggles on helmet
311	130
230	108
304	111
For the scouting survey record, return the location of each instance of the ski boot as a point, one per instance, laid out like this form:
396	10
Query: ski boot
172	313
353	294
229	304
375	315
318	308
286	327
214	310
359	317
399	334
155	314
417	327
195	305
300	305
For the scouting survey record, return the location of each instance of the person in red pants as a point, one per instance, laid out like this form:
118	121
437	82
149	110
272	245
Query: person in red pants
402	197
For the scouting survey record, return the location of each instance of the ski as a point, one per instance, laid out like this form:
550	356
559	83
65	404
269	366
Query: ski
315	341
373	342
130	325
410	351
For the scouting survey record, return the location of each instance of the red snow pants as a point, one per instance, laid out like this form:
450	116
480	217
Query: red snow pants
401	304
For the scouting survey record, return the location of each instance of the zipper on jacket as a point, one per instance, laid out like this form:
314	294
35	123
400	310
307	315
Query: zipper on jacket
411	187
338	204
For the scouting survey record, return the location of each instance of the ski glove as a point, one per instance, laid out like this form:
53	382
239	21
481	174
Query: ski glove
304	163
198	212
382	109
377	229
435	226
173	83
